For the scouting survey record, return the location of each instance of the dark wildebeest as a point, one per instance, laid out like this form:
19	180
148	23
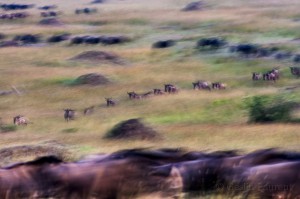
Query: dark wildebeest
69	114
20	120
88	110
157	91
218	85
256	76
130	177
27	179
86	11
295	71
272	75
279	180
211	43
163	44
133	95
110	102
201	85
169	88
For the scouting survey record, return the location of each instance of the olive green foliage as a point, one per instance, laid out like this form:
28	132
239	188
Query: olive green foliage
264	109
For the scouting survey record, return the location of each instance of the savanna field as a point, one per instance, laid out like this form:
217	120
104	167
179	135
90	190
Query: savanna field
202	120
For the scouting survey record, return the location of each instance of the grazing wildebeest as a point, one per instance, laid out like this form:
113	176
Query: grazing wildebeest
295	71
88	110
169	88
134	95
110	102
218	85
20	120
163	44
256	76
86	11
270	76
201	85
157	91
69	114
211	43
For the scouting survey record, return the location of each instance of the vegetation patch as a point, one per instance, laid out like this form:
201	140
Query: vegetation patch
266	109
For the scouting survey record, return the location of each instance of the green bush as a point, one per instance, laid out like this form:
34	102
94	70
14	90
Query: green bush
264	109
8	128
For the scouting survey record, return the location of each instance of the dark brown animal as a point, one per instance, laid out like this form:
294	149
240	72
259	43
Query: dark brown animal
20	120
69	114
110	102
201	85
273	181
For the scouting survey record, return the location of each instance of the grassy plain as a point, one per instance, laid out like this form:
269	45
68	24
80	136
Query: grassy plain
197	120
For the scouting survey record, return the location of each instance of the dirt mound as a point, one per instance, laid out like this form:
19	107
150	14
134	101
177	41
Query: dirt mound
51	22
26	152
92	79
132	129
99	57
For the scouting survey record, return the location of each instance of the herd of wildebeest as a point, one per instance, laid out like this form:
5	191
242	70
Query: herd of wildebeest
164	173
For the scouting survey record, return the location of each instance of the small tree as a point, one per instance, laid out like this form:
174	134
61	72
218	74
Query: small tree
263	109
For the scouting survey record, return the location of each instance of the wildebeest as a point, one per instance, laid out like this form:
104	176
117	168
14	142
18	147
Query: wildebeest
134	95
211	43
256	76
201	85
157	91
169	88
130	177
88	110
295	71
86	11
17	15
49	14
163	44
110	102
69	114
279	180
20	120
296	58
27	179
218	85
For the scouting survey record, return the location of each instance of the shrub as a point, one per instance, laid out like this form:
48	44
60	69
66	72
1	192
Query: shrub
263	109
8	128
